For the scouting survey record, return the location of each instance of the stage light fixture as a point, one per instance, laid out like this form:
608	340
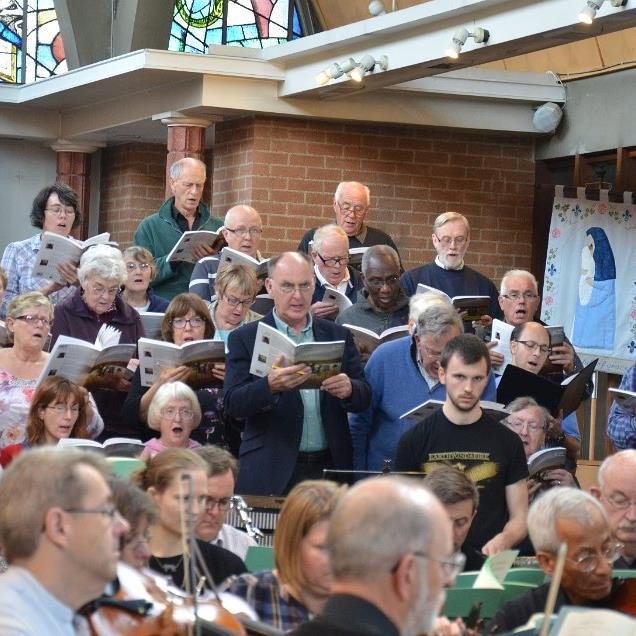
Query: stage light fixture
588	13
368	63
481	36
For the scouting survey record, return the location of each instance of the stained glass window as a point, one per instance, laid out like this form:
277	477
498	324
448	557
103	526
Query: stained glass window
30	41
254	23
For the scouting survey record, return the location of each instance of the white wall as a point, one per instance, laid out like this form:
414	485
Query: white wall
25	168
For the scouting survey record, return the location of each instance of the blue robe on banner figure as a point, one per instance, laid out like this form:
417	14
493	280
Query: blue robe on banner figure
595	316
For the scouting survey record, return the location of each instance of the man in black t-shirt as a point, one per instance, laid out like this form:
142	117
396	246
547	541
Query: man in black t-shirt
461	434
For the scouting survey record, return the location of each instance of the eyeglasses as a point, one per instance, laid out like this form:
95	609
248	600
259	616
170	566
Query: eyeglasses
32	320
171	413
448	240
379	283
289	288
180	323
332	262
111	512
451	566
589	562
620	502
244	231
104	291
431	353
223	504
347	208
517	425
517	296
532	345
131	266
60	211
62	409
235	302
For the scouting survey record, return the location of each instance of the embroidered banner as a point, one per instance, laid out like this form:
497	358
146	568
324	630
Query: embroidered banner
590	278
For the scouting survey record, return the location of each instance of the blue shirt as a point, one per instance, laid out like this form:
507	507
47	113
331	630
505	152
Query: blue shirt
18	261
313	437
621	424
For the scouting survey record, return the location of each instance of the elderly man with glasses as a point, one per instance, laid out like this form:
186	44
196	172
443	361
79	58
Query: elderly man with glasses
616	491
351	204
448	272
574	518
330	253
291	433
242	230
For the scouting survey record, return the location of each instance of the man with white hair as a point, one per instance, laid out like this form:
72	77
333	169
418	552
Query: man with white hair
616	490
451	238
402	374
242	230
330	253
182	212
61	533
573	517
351	204
519	300
391	556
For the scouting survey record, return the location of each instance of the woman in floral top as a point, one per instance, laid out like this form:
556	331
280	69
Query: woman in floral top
29	318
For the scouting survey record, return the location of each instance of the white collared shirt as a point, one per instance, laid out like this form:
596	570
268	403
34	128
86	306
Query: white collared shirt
342	286
439	263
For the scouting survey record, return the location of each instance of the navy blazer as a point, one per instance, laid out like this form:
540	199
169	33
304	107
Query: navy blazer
274	421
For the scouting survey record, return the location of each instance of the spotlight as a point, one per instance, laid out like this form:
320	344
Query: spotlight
588	13
367	63
334	71
547	117
459	39
376	7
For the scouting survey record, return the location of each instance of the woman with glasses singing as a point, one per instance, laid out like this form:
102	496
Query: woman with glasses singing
29	318
187	319
300	584
140	272
55	209
98	301
174	412
58	410
236	287
176	481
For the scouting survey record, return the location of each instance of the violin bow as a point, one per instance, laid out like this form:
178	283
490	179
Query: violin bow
554	589
190	548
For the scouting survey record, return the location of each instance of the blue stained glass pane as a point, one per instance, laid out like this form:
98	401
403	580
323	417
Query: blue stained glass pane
297	31
45	57
214	36
254	23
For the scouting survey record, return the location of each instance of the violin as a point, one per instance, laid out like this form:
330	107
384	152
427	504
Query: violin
146	605
625	598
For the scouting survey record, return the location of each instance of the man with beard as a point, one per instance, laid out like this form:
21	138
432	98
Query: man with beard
461	434
381	302
448	273
391	557
574	517
616	490
60	532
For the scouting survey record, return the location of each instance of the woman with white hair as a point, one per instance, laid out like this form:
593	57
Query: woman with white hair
98	301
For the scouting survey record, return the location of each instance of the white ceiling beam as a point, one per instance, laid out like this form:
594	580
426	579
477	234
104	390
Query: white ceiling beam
414	40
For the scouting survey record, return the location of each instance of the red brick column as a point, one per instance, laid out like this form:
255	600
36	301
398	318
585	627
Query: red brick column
74	170
186	138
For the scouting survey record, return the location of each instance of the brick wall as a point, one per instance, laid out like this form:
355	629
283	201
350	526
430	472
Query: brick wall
414	174
288	170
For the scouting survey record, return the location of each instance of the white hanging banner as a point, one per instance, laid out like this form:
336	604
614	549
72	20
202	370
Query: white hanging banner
590	279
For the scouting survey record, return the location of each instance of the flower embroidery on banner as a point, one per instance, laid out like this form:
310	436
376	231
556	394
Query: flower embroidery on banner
548	300
602	208
556	233
631	347
576	210
552	269
627	215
